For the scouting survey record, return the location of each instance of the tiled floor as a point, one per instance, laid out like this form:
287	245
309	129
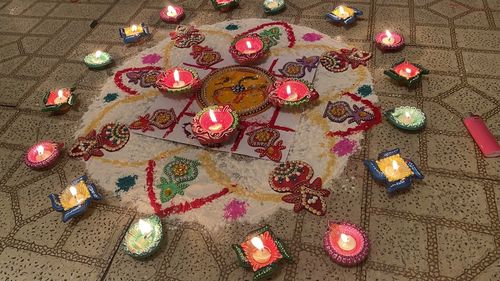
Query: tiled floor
446	228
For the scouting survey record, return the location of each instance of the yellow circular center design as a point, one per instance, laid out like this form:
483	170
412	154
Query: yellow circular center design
243	88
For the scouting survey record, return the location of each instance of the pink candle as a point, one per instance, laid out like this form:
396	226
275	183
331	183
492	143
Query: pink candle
292	90
58	97
249	45
216	121
42	154
406	70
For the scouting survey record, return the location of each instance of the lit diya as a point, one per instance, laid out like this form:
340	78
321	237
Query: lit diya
215	124
291	92
134	33
248	49
177	81
393	171
389	41
272	7
407	73
143	238
43	154
346	243
172	14
97	60
261	252
75	199
344	15
225	5
59	100
406	118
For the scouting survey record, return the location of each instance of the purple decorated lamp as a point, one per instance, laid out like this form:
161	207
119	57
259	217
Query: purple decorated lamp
346	243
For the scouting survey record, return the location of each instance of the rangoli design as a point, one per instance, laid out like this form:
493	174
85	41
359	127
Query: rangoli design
243	88
363	113
179	172
335	61
161	119
186	36
214	187
136	78
205	56
297	69
112	137
271	36
294	177
267	141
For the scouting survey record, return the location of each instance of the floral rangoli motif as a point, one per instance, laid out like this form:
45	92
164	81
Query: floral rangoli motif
161	119
205	56
186	36
179	172
297	69
267	141
335	61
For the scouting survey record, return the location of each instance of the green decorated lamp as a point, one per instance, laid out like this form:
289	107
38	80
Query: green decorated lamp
407	73
261	252
98	60
143	237
59	100
272	7
406	117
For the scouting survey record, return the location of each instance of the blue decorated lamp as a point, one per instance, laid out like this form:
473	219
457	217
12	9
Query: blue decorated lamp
75	199
393	171
134	33
344	15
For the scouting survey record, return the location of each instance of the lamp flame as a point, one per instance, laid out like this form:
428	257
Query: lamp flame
98	54
176	75
145	227
407	115
40	149
60	93
249	45
344	238
288	90
212	116
257	243
73	191
395	165
408	70
134	28
341	10
171	10
388	34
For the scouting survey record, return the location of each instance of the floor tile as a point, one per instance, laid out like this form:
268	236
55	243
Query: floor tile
433	36
39	9
82	11
45	231
466	100
37	66
49	26
451	153
477	39
7	219
320	267
473	19
13	90
481	63
17	25
448	8
66	38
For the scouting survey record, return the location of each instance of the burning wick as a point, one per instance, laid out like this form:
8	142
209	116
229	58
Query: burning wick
347	243
40	150
74	193
408	70
177	80
145	228
171	12
249	45
262	255
388	40
395	165
134	28
216	126
98	54
60	97
290	96
342	12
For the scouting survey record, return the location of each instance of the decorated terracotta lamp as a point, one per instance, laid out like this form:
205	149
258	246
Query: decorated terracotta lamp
407	73
177	81
59	100
225	5
291	92
134	33
344	15
261	252
272	7
248	49
393	171
172	14
143	238
97	60
75	199
389	41
43	154
215	124
406	117
346	243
